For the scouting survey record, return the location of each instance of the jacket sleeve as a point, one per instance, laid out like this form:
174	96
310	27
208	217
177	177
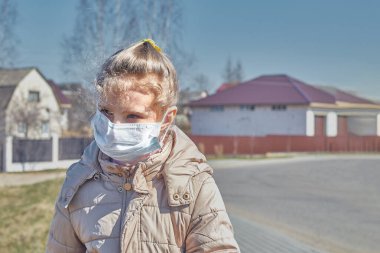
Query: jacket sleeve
62	237
210	228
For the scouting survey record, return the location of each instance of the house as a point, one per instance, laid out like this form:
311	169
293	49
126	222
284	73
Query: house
186	96
64	105
83	106
284	106
30	106
184	112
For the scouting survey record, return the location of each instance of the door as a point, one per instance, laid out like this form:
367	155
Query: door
320	125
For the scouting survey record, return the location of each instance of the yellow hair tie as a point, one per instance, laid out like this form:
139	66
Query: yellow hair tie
153	44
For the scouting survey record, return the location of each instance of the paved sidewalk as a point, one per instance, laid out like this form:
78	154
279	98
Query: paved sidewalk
256	238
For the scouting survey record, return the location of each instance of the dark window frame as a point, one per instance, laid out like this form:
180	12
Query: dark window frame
34	96
279	107
247	107
217	108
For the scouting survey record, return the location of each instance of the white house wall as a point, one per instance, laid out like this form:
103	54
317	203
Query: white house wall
294	121
310	123
64	119
331	124
259	122
35	82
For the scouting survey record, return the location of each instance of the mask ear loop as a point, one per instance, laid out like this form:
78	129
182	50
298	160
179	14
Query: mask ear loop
167	129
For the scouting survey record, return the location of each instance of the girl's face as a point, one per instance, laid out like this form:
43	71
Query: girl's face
133	107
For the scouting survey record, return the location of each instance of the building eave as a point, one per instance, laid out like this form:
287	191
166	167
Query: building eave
344	105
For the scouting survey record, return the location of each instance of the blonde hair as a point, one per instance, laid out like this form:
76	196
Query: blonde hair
141	67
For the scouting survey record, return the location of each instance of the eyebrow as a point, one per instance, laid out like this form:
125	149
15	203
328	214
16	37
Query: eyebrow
145	113
142	112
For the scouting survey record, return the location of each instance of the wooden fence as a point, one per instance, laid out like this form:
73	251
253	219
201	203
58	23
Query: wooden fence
230	145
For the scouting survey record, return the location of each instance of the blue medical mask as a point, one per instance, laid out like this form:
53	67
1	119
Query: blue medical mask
126	142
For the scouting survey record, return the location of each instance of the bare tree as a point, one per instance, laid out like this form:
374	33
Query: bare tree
24	116
163	22
228	74
202	82
27	117
233	74
102	27
238	71
8	40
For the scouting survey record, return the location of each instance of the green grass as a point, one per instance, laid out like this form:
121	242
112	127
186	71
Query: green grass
25	215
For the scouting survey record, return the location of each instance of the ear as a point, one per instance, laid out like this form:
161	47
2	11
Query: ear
170	116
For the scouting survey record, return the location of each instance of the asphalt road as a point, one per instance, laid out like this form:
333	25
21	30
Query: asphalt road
331	203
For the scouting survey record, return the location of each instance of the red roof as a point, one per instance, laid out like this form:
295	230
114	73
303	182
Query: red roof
61	98
276	89
225	86
344	96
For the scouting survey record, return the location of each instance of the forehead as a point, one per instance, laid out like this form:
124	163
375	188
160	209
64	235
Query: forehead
122	84
131	92
127	99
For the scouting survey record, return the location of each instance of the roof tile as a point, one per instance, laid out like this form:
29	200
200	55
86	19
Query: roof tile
10	77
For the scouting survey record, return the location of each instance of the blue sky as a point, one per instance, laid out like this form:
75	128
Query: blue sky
328	42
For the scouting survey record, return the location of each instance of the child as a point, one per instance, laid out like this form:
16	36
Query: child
142	185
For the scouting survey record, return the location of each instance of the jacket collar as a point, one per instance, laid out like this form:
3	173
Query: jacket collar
180	164
143	171
184	162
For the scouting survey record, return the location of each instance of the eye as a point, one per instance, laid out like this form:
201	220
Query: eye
133	116
105	112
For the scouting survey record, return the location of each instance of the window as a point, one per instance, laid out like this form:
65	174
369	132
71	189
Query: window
247	108
217	108
45	127
34	96
278	107
21	127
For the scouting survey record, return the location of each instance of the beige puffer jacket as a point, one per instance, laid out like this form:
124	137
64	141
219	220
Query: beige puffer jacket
169	203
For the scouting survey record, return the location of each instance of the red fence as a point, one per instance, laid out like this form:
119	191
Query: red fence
230	145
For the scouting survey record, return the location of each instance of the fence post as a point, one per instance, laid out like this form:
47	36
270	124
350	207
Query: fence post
8	153
55	147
